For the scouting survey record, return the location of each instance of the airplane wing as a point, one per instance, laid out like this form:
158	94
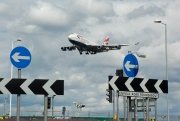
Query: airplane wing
105	48
93	49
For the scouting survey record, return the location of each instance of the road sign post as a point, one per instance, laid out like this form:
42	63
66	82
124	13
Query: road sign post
18	98
45	106
20	57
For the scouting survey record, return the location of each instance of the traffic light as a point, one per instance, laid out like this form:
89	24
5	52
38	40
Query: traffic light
109	94
49	103
119	72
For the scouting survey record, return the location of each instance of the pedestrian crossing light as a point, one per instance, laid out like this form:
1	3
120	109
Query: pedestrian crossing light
49	103
109	94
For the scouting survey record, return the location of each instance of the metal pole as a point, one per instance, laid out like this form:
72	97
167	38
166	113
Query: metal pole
156	110
129	112
18	98
124	100
10	97
128	109
147	109
53	106
117	93
113	103
4	106
135	109
166	68
45	107
143	110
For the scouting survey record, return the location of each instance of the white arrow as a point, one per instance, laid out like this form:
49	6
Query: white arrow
16	57
47	88
128	84
157	86
111	82
3	89
143	85
128	66
25	87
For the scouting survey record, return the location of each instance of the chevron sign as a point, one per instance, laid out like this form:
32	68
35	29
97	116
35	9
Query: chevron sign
138	84
28	86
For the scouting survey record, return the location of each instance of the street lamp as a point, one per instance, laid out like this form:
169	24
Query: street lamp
139	54
158	21
10	99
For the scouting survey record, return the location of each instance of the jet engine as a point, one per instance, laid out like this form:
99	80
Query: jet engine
101	47
63	48
118	47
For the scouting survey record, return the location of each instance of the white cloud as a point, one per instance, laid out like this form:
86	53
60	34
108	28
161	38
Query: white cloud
3	7
47	14
91	7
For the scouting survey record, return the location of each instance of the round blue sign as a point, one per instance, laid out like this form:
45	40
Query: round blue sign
130	65
20	57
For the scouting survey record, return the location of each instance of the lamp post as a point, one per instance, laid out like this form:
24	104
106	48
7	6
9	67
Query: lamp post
10	99
158	21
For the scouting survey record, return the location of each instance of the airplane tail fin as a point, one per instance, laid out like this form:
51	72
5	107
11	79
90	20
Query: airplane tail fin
106	41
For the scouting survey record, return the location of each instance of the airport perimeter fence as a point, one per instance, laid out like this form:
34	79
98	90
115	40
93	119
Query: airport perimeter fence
84	116
80	119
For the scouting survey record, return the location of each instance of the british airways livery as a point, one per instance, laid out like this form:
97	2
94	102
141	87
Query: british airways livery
82	44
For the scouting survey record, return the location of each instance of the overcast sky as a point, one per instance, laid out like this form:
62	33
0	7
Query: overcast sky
45	25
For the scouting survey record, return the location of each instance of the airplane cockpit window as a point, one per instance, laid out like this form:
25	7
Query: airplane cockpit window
79	36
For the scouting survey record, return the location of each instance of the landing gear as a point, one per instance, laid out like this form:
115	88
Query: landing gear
63	48
68	48
93	52
87	52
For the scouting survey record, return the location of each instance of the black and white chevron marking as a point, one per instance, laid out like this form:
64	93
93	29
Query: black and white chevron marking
27	86
138	84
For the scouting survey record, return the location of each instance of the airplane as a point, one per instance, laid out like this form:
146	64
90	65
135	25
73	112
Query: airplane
82	44
79	105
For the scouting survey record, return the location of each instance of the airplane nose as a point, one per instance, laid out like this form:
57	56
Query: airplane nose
70	36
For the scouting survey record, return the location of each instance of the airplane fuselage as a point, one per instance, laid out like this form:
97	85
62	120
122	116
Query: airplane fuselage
82	44
79	41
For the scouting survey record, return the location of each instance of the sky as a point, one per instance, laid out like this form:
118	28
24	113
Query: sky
44	27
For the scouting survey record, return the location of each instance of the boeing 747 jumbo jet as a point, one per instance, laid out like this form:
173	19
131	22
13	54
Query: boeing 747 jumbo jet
82	44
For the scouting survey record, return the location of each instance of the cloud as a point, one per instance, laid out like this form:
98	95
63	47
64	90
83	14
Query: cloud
92	6
143	11
47	14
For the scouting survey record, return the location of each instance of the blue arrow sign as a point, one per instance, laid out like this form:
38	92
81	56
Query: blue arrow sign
20	57
130	65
